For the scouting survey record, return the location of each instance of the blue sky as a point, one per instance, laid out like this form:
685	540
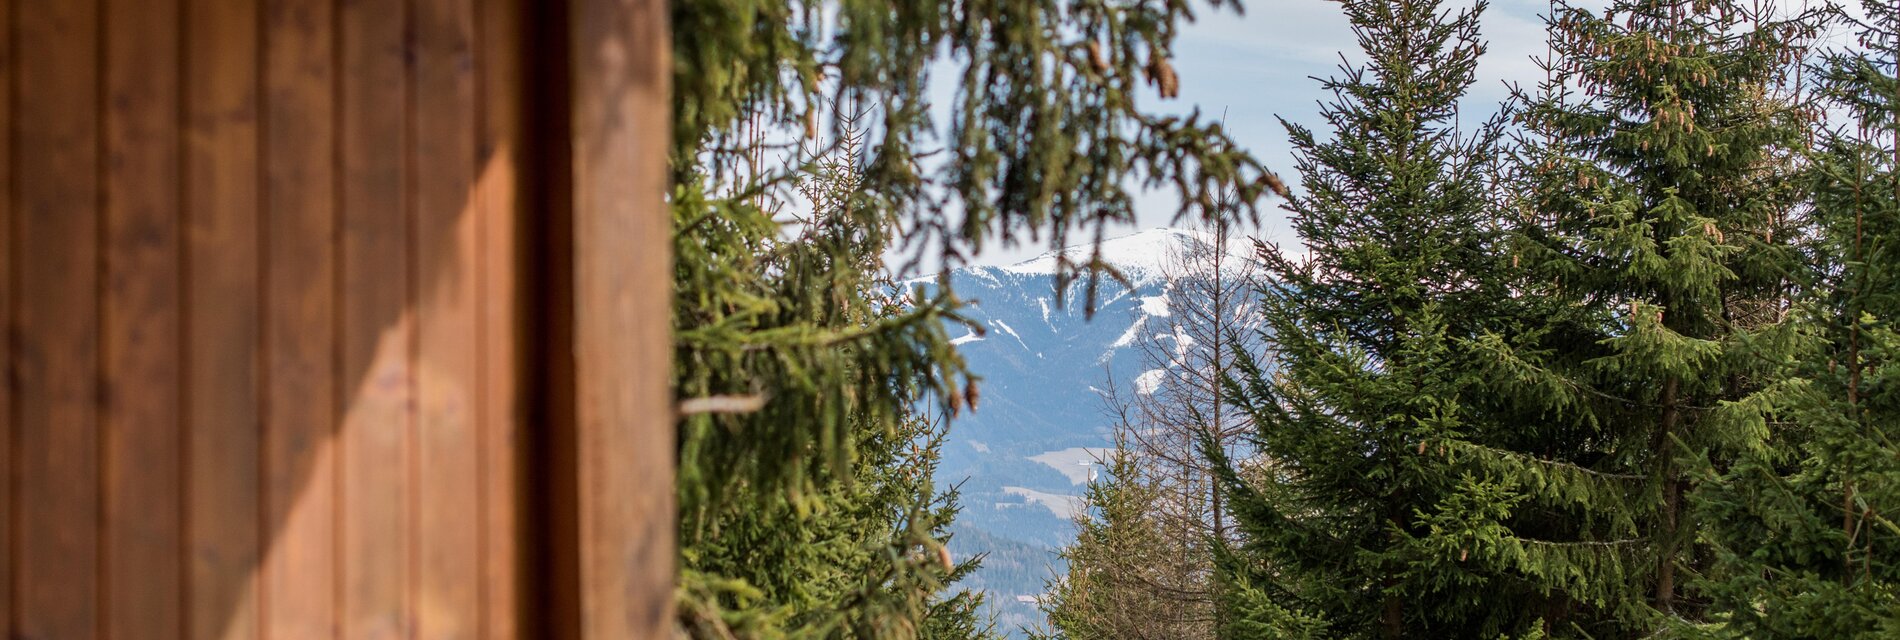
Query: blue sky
1261	64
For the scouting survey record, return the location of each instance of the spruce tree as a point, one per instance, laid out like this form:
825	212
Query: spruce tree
789	372
1159	421
1655	234
1141	564
859	549
1802	527
1347	530
1121	566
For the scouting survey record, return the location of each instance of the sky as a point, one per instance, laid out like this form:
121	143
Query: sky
1261	64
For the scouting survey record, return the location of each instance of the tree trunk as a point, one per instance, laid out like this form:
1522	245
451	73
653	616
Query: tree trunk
1672	497
1392	620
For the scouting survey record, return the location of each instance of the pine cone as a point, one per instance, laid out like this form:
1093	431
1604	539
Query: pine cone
1275	185
1161	75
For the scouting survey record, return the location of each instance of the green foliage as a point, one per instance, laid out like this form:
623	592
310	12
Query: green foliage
1649	388
854	547
1645	381
1657	231
863	561
1383	515
801	366
1046	134
1803	535
1108	592
1250	612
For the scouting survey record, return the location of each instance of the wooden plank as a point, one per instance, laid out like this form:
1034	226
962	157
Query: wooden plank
56	579
299	573
499	50
377	324
221	318
57	322
9	253
144	525
620	52
449	560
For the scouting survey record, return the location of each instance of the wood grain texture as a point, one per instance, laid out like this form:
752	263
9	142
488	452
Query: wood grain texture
623	269
144	523
222	319
9	257
263	324
449	555
56	578
378	325
299	573
498	210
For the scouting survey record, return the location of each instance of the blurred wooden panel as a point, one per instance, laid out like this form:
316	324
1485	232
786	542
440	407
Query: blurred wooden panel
9	252
56	586
299	574
273	288
222	319
144	523
449	560
499	211
378	322
622	233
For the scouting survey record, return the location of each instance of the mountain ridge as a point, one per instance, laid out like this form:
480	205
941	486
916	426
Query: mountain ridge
1023	458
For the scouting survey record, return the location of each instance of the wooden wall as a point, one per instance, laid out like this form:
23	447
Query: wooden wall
274	322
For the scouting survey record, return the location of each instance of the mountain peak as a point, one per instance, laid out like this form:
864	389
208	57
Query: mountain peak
1147	250
1141	255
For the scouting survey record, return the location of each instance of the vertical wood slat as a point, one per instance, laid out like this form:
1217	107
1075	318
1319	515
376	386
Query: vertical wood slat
9	252
298	575
222	318
144	525
448	559
218	279
498	50
621	107
56	578
378	329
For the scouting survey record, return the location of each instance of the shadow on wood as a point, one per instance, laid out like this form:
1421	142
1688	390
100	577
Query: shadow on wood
307	336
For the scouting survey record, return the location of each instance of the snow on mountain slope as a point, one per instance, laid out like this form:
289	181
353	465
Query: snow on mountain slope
1019	458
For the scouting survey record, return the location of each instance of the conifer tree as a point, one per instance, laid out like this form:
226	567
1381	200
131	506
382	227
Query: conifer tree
1142	563
1211	316
1351	532
788	372
860	551
1165	537
1803	526
1121	566
1655	236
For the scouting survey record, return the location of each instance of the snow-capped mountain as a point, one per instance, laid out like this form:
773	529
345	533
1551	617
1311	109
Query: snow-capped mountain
1024	456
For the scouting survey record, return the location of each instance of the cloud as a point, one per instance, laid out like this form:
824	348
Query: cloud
1258	67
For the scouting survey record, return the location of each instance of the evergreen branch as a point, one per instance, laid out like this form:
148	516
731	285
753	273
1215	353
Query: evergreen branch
1472	447
1627	542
